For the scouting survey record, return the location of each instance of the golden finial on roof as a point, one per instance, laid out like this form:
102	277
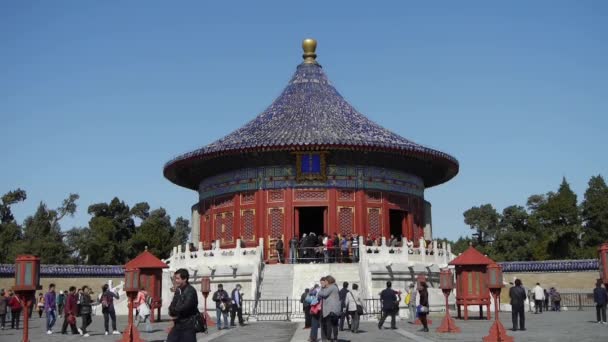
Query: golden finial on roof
309	46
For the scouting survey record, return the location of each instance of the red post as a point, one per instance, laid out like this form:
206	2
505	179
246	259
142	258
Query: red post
131	334
25	303
497	331
206	289
446	282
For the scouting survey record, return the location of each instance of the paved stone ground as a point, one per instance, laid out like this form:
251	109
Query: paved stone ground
547	327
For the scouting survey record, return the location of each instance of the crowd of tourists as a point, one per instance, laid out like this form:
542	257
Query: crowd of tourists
70	305
546	300
322	248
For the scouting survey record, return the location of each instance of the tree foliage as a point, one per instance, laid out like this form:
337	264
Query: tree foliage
10	231
551	226
484	220
112	236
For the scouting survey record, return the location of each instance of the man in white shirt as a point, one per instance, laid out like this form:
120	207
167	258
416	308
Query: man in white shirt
539	298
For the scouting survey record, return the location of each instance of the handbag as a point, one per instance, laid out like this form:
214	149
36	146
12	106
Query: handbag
200	323
422	309
71	319
359	306
315	308
359	309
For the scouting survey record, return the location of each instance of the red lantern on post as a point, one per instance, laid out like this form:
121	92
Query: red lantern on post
27	281
603	262
206	289
497	331
446	283
132	286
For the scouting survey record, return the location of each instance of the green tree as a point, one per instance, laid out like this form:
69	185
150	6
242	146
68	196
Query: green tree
484	220
595	215
10	231
514	237
461	245
181	232
559	219
111	230
77	241
42	234
154	233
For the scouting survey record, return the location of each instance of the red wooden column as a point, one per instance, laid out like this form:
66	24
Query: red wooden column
403	223
332	212
260	218
360	213
296	219
288	226
201	221
236	225
386	219
212	218
325	223
410	225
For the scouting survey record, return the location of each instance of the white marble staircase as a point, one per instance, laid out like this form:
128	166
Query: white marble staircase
277	281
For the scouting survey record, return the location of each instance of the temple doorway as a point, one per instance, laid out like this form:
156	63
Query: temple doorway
311	220
396	222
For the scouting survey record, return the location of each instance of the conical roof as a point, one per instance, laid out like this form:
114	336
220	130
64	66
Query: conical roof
471	257
311	113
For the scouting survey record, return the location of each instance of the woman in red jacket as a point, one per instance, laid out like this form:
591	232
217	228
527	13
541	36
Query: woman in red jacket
69	310
15	304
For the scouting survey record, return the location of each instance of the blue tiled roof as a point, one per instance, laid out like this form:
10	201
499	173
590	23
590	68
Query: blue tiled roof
61	271
311	113
551	266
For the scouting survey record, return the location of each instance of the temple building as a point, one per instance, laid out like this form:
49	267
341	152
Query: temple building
310	163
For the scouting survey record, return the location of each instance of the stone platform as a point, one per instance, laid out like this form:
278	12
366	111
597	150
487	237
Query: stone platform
579	326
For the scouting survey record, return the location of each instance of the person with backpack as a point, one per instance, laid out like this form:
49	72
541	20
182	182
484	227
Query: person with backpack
315	312
142	308
85	310
69	314
183	309
306	308
107	309
222	306
14	303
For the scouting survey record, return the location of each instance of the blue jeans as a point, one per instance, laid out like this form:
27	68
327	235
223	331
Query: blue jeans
50	319
219	314
314	328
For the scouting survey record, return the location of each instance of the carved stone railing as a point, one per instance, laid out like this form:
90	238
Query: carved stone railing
407	253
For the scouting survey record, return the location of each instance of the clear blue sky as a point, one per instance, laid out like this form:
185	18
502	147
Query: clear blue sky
95	96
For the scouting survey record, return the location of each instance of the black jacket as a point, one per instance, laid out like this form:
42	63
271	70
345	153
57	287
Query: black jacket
518	296
85	304
600	296
220	296
184	307
342	293
388	298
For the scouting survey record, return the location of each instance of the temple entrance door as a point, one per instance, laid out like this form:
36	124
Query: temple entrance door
310	220
397	223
